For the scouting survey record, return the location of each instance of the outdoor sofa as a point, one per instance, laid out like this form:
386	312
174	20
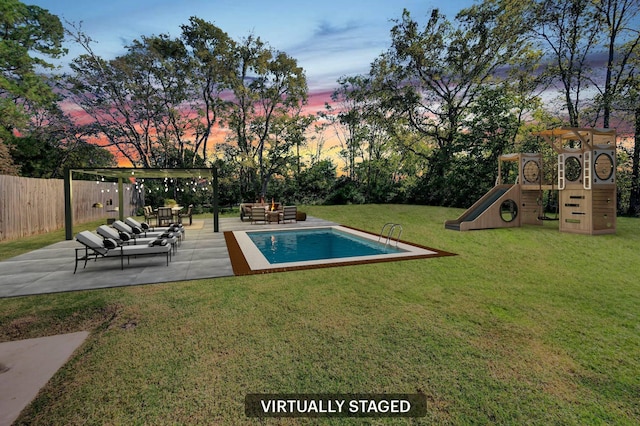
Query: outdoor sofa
245	209
263	214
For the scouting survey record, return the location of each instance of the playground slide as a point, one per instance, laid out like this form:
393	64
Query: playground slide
478	208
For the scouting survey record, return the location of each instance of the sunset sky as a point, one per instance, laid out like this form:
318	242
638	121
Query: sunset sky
329	38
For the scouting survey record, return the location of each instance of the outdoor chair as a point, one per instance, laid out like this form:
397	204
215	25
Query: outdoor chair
258	214
165	216
289	213
245	211
188	214
94	248
150	214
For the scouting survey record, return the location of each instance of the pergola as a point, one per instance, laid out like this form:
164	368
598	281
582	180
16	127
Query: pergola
125	173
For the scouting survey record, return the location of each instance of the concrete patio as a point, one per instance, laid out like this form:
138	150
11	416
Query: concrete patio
203	254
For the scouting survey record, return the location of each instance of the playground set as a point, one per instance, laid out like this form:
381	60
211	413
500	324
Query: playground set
585	187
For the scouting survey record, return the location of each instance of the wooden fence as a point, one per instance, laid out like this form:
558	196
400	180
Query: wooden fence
35	206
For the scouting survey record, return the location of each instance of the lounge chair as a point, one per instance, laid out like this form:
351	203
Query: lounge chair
139	233
289	213
176	228
94	247
125	239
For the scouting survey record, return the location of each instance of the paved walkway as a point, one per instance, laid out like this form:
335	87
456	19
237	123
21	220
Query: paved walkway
203	254
29	364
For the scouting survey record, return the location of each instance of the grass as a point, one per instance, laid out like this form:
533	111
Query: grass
12	248
525	326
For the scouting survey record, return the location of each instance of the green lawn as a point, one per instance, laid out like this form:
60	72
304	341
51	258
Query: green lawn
20	246
525	326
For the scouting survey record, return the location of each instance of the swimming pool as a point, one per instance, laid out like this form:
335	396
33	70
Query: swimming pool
315	246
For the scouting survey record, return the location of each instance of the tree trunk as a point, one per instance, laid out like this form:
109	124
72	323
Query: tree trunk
264	185
606	98
634	199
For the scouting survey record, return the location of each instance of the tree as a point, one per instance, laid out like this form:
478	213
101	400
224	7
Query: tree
279	155
628	102
348	118
28	35
267	85
634	199
491	126
124	101
44	158
213	53
316	182
157	104
570	29
368	137
52	142
7	165
433	75
622	43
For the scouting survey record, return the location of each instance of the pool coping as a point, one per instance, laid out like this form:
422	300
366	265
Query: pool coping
241	266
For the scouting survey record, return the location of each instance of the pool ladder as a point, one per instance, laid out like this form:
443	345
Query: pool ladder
391	229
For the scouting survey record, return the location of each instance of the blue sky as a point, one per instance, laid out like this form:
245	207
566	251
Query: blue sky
329	38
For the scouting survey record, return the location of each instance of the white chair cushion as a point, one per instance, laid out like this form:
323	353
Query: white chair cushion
121	226
92	241
108	232
138	250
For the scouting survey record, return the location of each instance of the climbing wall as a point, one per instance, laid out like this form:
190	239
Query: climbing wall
531	209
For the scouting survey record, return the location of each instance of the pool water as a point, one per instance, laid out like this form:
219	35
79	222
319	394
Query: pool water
315	244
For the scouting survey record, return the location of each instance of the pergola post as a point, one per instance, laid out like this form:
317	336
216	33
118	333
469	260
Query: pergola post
216	225
120	199
68	207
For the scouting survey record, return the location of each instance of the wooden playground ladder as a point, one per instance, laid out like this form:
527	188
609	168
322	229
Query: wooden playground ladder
586	184
561	181
389	236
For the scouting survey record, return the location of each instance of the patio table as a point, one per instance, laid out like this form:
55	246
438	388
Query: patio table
273	216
